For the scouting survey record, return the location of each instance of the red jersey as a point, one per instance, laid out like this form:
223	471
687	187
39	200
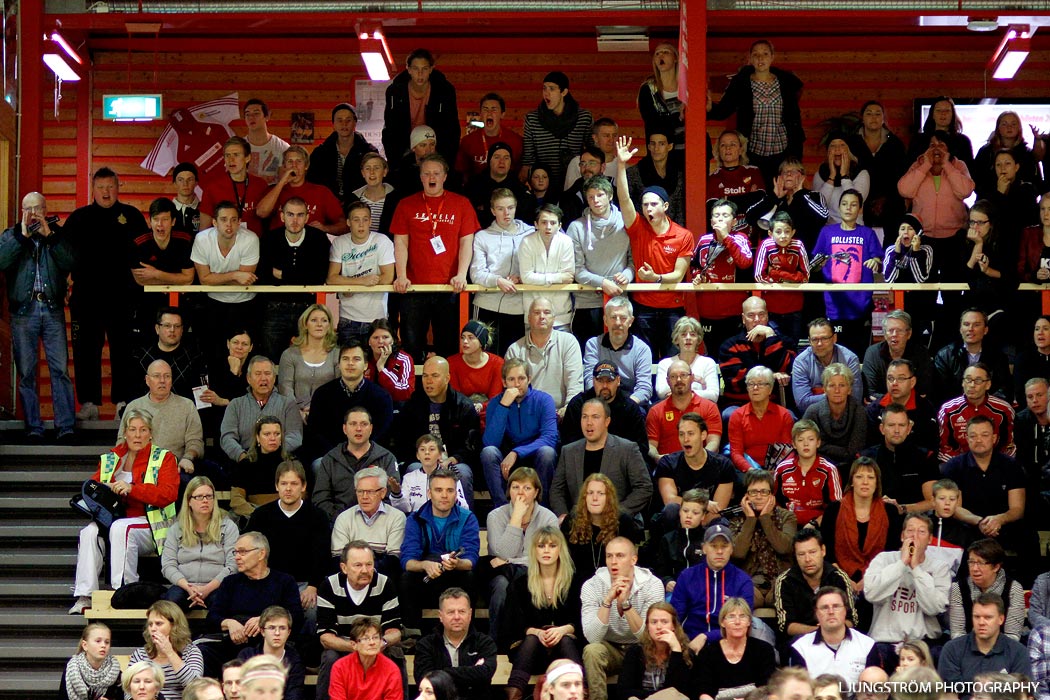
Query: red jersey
321	204
661	424
474	151
735	255
449	216
955	414
775	264
806	495
662	252
743	186
245	195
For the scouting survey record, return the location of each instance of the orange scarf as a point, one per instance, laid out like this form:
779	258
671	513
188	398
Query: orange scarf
850	556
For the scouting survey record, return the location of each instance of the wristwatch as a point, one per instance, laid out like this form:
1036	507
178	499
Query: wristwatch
605	605
626	606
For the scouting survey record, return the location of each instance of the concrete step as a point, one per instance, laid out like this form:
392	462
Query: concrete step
50	563
30	503
58	532
28	685
52	620
33	590
11	451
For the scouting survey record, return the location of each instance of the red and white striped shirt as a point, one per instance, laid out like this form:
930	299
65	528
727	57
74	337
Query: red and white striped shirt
955	414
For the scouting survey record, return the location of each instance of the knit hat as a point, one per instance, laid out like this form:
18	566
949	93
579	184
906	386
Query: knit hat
420	134
658	191
480	332
558	78
500	146
185	168
344	105
914	222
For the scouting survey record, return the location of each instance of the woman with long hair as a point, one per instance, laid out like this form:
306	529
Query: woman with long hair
688	336
510	529
943	117
198	553
169	645
883	155
914	652
860	526
146	481
388	365
311	360
143	680
738	663
1008	135
437	685
92	673
839	172
1033	360
226	375
252	483
658	102
988	266
594	522
544	620
660	667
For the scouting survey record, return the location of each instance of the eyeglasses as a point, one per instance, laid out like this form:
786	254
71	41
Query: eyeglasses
756	385
371	639
971	381
244	552
368	492
758	492
170	326
975	222
203	497
831	608
276	628
818	339
737	617
898	380
895	331
974	562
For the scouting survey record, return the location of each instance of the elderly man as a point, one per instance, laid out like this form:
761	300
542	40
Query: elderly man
238	423
615	602
554	361
104	291
356	592
901	381
323	209
350	389
187	365
456	648
176	423
373	521
628	418
809	366
759	344
336	163
953	419
952	360
241	598
661	424
897	329
445	413
335	488
36	257
629	353
521	429
615	457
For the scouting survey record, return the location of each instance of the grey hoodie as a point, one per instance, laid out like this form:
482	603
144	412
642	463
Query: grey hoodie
602	249
495	256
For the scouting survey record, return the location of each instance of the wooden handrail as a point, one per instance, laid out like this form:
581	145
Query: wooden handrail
636	287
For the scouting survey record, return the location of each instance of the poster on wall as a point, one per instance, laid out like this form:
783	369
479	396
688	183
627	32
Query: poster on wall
195	134
302	128
369	100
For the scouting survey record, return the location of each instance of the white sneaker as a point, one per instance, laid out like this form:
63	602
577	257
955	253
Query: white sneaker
88	411
83	601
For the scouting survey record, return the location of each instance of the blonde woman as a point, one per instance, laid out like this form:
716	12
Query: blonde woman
658	102
738	663
688	337
143	680
311	360
660	667
198	552
169	647
543	621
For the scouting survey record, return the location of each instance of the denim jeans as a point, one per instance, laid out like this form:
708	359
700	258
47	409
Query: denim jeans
543	460
43	324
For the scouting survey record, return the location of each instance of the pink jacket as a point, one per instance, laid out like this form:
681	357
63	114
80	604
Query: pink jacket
941	211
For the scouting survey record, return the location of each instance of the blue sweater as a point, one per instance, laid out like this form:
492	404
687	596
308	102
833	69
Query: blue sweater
424	542
690	597
524	426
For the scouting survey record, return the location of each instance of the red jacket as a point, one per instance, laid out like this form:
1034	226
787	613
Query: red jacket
161	494
350	681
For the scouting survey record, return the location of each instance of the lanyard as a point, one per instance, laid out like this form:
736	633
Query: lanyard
432	217
240	201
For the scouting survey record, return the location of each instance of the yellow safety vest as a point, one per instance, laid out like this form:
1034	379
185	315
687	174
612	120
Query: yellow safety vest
159	519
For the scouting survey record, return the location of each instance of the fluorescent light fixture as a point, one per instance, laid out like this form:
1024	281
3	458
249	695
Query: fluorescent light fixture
1011	53
376	55
60	68
70	51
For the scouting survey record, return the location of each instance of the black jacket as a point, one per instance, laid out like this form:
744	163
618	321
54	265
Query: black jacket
324	167
473	680
794	599
18	261
951	361
459	424
441	113
738	99
628	420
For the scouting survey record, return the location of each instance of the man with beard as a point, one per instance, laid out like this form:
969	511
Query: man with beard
661	424
628	419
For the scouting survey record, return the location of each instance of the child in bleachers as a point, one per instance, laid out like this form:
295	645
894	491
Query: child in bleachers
430	453
92	672
783	258
950	536
909	261
681	548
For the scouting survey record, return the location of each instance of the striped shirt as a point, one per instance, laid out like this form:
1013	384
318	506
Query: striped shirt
955	414
774	264
175	681
337	611
806	494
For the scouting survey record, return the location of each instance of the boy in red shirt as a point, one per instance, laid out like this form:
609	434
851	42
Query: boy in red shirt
783	258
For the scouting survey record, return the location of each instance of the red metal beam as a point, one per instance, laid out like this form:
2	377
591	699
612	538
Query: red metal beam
31	101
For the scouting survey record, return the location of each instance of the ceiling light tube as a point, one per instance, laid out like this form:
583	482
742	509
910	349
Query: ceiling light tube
60	40
60	68
1011	53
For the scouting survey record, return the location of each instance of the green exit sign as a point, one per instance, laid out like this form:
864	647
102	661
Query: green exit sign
138	108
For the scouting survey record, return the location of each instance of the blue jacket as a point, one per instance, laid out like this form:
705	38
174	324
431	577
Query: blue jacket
690	597
423	542
17	256
523	427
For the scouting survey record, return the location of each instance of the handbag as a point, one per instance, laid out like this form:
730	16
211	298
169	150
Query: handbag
98	502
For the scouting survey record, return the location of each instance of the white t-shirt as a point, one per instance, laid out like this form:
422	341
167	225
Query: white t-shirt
359	260
245	251
266	160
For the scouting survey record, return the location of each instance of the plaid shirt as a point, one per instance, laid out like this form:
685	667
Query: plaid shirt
768	135
1039	656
